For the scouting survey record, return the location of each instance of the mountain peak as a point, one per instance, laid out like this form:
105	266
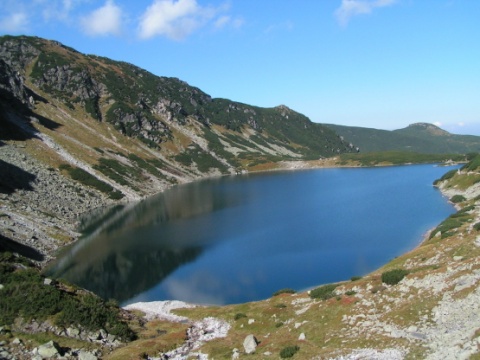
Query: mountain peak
427	127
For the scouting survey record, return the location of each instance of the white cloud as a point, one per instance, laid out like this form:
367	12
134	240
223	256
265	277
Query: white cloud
177	19
350	8
56	9
106	20
222	21
14	23
438	123
287	25
174	20
461	124
226	20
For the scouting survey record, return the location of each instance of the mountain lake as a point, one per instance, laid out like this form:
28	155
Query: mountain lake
240	238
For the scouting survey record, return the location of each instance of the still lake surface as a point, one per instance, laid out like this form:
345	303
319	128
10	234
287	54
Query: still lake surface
241	238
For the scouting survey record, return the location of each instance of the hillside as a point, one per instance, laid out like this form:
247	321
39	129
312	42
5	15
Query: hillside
79	132
418	137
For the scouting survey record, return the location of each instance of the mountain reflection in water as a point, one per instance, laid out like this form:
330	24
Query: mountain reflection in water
238	239
132	247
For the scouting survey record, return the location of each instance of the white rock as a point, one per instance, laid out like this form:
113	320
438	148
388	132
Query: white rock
302	337
250	344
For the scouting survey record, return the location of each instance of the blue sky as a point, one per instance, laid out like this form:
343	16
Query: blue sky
372	63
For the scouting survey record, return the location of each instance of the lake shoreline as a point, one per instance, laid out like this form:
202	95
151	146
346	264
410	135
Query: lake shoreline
228	195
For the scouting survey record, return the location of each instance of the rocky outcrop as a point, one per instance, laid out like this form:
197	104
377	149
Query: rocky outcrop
12	85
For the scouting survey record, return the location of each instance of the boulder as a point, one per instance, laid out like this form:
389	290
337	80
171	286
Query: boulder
48	350
85	355
250	344
302	337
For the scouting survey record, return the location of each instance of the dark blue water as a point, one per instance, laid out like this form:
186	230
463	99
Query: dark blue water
239	239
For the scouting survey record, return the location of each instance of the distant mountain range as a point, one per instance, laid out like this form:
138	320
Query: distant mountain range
418	137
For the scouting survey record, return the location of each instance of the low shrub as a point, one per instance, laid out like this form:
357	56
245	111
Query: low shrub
323	292
450	174
457	199
239	316
477	226
453	222
394	276
284	291
350	293
289	351
355	278
25	295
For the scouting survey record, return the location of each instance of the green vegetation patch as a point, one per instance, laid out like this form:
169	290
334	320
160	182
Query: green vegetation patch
289	351
239	316
323	292
88	179
393	277
458	199
398	158
447	176
25	295
449	225
473	165
284	291
202	159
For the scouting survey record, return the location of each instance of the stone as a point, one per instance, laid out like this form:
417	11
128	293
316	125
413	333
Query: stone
412	329
85	355
302	337
73	332
236	354
48	350
251	321
47	281
250	344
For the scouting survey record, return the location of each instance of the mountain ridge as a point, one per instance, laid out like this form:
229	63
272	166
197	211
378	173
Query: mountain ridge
417	137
